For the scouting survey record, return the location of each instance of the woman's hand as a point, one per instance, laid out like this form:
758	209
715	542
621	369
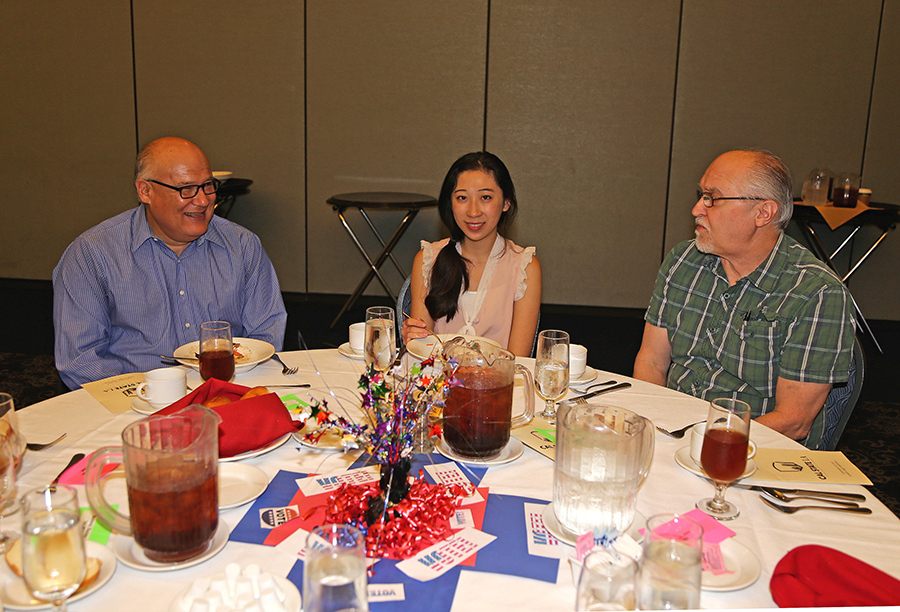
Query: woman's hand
414	328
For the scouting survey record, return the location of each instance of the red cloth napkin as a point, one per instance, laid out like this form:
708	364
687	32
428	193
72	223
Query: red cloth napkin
817	576
246	424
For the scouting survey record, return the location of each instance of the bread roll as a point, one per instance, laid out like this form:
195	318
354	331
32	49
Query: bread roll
254	392
219	400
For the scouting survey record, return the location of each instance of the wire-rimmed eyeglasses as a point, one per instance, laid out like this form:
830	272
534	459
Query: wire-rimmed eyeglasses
189	191
709	200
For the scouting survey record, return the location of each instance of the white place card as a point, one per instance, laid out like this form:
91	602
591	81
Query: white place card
386	592
450	474
435	560
327	483
541	542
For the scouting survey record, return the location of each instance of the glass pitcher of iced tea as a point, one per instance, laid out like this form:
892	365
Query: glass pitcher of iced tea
171	474
478	411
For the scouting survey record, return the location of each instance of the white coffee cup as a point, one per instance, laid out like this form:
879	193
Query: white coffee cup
577	361
697	433
358	337
162	387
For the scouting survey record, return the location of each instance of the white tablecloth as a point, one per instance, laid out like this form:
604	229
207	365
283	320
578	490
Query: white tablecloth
669	488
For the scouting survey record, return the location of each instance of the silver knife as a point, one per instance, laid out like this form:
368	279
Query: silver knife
572	400
824	494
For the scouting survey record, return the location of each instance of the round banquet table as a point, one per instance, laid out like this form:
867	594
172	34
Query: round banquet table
669	488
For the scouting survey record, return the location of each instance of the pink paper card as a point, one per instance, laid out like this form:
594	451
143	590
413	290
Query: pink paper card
75	474
713	560
713	531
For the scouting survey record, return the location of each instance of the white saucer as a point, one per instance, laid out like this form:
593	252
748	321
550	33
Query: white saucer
291	601
587	376
512	451
144	407
239	484
259	451
346	351
638	524
738	559
250	353
684	459
15	594
132	555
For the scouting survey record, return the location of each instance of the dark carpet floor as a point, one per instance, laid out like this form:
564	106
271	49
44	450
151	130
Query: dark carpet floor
612	337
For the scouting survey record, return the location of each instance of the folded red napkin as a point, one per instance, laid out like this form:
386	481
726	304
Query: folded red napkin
817	576
246	424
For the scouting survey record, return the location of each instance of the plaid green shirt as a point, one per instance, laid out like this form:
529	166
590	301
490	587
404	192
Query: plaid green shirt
789	318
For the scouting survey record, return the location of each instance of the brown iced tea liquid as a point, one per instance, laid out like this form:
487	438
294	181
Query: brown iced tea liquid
477	413
175	524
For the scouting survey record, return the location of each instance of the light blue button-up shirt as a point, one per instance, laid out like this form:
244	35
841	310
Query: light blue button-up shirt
122	297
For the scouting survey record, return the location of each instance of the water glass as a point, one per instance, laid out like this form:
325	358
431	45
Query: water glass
53	557
608	582
9	427
216	351
7	486
551	368
334	570
380	342
673	563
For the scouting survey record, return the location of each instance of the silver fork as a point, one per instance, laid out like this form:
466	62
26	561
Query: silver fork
584	398
789	498
35	446
678	433
285	369
793	509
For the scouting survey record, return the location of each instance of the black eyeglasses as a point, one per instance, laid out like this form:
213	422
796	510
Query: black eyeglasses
709	200
189	191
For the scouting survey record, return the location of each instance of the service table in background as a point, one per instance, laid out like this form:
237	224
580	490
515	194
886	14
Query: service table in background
669	488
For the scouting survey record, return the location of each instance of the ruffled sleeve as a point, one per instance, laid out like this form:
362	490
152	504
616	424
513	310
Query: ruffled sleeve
427	263
523	278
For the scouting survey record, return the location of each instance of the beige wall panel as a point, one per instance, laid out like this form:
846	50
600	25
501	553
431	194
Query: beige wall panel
229	76
395	93
580	108
876	285
66	126
763	74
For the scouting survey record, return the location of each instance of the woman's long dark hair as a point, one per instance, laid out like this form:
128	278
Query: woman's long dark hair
450	273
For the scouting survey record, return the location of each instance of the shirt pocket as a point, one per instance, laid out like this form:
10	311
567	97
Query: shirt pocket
759	341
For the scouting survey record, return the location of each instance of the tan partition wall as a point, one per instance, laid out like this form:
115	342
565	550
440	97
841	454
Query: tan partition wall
579	106
66	127
229	76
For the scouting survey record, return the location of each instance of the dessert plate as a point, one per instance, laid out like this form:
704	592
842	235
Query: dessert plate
132	555
512	451
240	483
638	524
248	353
684	459
739	560
15	595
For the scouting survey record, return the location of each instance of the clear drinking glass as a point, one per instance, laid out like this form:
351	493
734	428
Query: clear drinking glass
724	453
7	486
216	351
608	582
551	369
53	557
334	570
381	340
9	427
672	564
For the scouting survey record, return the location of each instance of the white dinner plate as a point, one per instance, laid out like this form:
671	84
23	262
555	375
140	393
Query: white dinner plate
248	354
15	594
143	406
346	351
291	601
638	524
422	348
738	559
684	459
512	451
259	451
240	483
129	553
329	442
587	376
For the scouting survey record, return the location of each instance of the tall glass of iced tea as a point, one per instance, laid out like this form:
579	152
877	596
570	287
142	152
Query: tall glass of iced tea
171	470
216	351
724	453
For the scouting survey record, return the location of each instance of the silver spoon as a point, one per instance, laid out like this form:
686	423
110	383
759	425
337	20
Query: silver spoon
793	509
34	446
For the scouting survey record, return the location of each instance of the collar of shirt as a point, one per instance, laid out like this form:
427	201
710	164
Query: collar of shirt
141	232
760	277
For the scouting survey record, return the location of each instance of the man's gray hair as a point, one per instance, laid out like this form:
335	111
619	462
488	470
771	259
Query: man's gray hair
770	178
142	163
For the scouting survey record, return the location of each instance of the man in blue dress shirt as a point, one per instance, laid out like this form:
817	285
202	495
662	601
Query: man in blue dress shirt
139	285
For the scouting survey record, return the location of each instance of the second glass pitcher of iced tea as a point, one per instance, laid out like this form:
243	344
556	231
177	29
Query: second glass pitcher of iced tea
171	473
478	411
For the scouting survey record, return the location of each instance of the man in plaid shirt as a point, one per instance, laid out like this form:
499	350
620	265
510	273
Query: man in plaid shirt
744	311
